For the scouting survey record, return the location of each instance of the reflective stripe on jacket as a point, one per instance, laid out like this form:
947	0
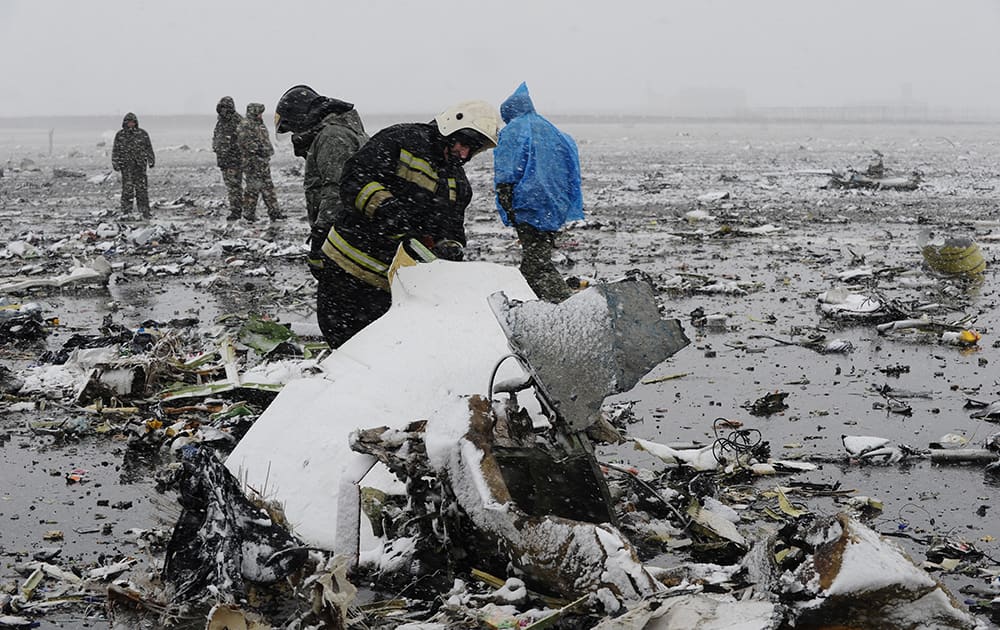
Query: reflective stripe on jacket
398	185
354	261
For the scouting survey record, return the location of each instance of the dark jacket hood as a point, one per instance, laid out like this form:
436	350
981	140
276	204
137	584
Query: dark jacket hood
255	110
517	104
130	116
336	113
323	107
301	108
226	106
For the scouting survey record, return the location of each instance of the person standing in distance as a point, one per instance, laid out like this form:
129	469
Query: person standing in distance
537	181
227	154
255	157
131	153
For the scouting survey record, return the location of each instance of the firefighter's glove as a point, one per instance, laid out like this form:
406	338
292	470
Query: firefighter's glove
316	265
449	250
505	196
317	236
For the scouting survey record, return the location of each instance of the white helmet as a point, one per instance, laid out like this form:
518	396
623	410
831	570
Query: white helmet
478	116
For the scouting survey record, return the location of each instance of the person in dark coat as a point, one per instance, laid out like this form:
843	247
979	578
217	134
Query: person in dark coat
131	153
537	179
406	187
227	154
255	155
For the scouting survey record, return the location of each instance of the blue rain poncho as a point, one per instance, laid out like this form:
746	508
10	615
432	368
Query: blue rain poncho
541	162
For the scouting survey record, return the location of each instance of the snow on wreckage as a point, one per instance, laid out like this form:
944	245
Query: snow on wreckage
465	347
494	479
706	526
455	484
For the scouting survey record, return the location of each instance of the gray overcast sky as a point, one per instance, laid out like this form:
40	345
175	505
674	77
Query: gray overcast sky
180	56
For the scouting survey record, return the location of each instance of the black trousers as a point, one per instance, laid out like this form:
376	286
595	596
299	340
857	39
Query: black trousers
345	304
134	185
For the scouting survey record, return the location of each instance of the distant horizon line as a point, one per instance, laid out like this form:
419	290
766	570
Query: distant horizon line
866	114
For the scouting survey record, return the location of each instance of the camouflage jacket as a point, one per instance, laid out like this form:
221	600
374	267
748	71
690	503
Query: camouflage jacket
339	137
224	141
255	145
132	148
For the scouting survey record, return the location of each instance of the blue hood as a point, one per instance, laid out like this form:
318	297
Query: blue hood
540	162
517	104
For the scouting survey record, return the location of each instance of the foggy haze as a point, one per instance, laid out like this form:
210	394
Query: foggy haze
641	57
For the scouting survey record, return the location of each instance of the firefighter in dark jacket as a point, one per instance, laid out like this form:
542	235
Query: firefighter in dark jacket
227	153
406	186
131	153
255	153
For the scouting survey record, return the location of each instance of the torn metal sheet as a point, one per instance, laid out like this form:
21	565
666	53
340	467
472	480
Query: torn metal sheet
564	556
854	179
122	379
22	322
701	458
598	342
716	525
454	479
544	482
221	539
857	578
332	594
98	270
846	303
297	451
697	611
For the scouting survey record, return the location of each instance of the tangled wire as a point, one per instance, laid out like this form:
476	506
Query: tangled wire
737	445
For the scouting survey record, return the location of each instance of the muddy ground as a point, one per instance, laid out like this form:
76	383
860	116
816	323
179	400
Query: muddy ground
642	181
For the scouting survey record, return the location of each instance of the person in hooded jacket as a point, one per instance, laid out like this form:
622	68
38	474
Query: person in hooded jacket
255	157
405	187
325	131
131	152
537	180
227	153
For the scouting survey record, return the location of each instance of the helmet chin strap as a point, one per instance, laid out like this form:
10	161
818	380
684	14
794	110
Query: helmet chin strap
301	143
451	158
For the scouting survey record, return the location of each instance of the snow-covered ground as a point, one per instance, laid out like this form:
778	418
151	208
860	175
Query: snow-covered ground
753	260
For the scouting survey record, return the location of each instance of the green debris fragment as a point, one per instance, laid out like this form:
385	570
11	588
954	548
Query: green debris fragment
210	389
199	360
312	349
235	410
264	335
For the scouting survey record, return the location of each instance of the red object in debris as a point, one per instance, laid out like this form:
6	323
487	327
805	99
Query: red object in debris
77	475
